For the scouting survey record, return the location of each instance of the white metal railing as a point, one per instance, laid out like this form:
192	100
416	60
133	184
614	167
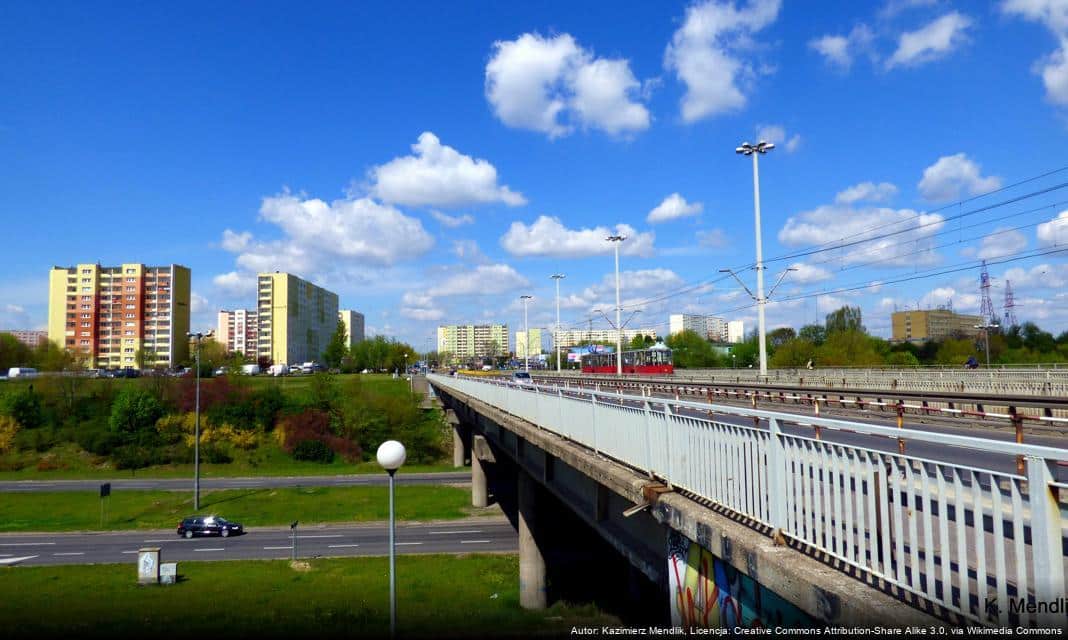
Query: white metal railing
1037	382
960	536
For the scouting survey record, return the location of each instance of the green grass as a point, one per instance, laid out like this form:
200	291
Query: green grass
266	460
80	510
437	596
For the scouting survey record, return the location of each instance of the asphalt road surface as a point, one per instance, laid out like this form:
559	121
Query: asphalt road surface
465	536
179	484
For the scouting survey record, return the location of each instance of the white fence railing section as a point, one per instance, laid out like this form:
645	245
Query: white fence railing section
960	536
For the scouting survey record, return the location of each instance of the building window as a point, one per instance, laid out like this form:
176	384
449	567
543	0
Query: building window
86	325
86	289
131	271
84	342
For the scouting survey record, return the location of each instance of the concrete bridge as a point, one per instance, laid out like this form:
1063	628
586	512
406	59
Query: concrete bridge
678	512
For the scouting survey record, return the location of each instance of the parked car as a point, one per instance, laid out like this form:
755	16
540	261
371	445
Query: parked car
221	371
22	372
209	526
278	370
296	370
250	369
312	367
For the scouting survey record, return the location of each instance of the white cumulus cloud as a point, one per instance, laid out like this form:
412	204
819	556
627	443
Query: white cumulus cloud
807	273
485	279
776	134
1054	67
548	237
866	192
235	283
931	41
835	224
436	175
839	51
1053	233
673	207
234	242
707	54
951	177
1001	242
452	221
552	85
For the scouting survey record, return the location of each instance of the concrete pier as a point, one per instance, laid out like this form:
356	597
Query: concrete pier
532	593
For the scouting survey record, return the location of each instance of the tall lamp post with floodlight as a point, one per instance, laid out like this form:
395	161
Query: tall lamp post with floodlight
197	338
986	327
391	455
615	240
756	151
556	331
526	335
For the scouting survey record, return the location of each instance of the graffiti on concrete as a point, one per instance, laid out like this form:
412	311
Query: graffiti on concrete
707	592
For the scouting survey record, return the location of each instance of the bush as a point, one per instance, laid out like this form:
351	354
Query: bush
313	451
131	457
312	424
9	427
25	407
134	411
215	454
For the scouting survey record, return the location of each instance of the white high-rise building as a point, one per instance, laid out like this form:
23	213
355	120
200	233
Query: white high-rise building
711	327
353	326
465	341
735	332
572	337
238	331
521	342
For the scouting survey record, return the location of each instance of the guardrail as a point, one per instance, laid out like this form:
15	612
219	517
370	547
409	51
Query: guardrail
961	537
988	381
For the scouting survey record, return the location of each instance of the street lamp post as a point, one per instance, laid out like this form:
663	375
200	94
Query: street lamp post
756	150
556	331
526	335
391	456
986	327
615	240
197	337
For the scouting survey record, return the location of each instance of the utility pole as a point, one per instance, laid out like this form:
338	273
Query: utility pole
616	240
556	332
756	150
526	335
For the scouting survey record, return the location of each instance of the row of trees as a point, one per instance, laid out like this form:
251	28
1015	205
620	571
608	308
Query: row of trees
376	353
844	341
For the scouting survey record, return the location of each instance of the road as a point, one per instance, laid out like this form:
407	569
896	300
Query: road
463	536
273	482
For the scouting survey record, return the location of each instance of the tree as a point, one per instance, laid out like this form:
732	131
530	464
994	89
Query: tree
133	412
814	333
796	352
336	350
844	319
848	348
780	336
690	350
12	352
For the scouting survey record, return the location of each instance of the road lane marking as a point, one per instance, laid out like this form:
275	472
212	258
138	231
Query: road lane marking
70	553
407	543
334	535
25	544
212	549
276	548
341	546
134	551
474	542
449	533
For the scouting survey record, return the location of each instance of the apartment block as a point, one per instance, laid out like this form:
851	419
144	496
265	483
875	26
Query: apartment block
29	338
711	327
295	318
125	316
238	330
932	324
735	331
465	341
353	326
525	343
573	337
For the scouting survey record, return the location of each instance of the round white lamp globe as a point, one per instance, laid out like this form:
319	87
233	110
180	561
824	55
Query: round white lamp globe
391	455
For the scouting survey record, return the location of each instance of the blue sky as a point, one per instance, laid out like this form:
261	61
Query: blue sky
431	162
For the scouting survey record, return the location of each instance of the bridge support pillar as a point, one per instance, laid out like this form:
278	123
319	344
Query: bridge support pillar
532	583
479	486
457	446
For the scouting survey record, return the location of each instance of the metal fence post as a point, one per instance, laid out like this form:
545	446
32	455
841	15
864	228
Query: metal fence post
648	440
1045	536
667	434
593	398
777	489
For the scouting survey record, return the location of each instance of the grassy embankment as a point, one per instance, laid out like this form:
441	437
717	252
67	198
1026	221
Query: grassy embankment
438	596
80	510
67	461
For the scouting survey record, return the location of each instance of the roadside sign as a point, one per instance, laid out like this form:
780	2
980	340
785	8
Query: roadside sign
105	490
